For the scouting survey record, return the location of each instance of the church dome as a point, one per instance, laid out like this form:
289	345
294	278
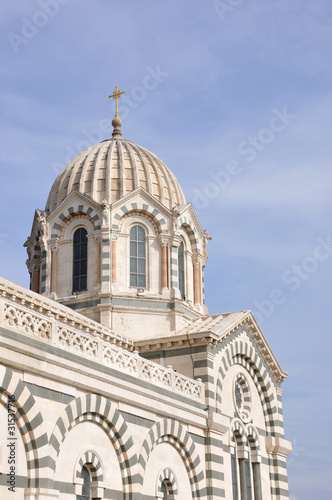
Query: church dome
113	168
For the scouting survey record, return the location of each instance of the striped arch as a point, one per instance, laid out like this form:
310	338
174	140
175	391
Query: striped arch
144	215
252	437
29	421
91	458
167	476
237	433
242	384
243	354
188	226
140	208
174	433
97	409
77	209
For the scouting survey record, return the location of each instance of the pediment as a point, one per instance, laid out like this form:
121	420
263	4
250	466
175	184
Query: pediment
140	192
74	198
188	211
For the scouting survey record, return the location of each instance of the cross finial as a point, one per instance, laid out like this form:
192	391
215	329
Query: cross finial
116	96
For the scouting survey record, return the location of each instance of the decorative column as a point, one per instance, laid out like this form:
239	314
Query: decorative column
54	269
197	280
164	263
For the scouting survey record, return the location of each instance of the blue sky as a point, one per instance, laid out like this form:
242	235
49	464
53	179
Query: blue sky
235	97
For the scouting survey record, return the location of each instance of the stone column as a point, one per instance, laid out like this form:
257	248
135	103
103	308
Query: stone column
164	264
197	281
54	269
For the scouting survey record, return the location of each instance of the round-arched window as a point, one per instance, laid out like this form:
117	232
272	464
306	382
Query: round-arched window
137	257
86	486
80	260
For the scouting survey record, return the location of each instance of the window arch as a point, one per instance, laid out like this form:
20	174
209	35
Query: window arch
137	239
166	485
181	273
80	260
86	485
245	468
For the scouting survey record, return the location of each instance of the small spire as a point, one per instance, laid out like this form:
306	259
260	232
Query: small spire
116	122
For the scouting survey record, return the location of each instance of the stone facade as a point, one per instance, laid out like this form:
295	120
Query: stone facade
120	385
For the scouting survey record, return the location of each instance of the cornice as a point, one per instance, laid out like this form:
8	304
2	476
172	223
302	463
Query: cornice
213	339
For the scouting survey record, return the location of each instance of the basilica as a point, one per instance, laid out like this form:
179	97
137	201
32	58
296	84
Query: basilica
115	381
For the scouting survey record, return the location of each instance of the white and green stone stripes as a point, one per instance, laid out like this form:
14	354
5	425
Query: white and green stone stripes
97	409
245	354
95	467
189	227
245	435
44	279
174	433
140	208
167	476
105	264
214	465
174	267
77	209
30	424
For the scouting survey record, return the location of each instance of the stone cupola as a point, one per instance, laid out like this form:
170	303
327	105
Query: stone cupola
118	242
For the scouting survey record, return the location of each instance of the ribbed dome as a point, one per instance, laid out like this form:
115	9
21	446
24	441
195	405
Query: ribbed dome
113	168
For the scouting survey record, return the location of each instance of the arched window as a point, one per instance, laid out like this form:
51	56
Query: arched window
235	485
86	486
80	260
137	257
181	269
163	491
243	475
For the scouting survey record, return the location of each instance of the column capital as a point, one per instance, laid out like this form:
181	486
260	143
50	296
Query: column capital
164	240
176	240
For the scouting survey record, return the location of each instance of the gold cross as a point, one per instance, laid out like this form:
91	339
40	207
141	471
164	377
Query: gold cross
116	96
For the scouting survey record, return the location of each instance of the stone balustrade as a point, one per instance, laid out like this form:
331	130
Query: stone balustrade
32	314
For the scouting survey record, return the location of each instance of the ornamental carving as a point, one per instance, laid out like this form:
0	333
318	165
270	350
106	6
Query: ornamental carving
14	316
119	359
155	373
77	341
